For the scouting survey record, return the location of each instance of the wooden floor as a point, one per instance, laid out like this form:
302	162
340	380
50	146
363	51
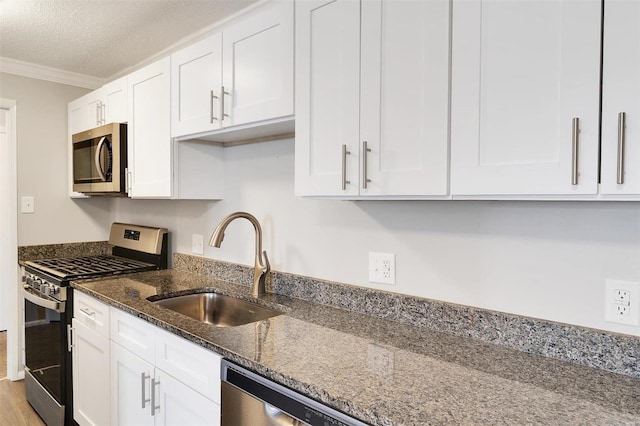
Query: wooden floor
3	354
15	410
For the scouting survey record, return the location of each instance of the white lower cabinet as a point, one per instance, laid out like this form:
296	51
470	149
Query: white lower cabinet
140	374
90	376
178	404
130	388
144	395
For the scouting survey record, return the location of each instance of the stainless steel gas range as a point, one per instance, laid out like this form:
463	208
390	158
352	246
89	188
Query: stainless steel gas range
49	310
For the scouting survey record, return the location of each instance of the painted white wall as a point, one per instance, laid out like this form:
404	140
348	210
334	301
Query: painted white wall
42	166
546	260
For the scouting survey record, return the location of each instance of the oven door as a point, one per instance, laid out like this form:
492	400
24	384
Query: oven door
45	342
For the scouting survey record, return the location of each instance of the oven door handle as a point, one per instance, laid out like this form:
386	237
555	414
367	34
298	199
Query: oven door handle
32	297
99	157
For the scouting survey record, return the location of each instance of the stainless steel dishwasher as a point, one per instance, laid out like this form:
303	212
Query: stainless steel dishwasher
251	400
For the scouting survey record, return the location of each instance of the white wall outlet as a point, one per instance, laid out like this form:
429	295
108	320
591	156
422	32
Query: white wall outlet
27	204
197	244
382	268
622	302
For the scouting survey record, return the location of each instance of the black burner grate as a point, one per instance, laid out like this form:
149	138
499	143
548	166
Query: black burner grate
90	266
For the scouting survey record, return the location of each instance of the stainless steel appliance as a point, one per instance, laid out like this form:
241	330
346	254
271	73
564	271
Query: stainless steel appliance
100	160
249	399
49	309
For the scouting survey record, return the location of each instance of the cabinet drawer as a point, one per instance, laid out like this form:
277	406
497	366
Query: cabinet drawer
91	312
193	365
134	334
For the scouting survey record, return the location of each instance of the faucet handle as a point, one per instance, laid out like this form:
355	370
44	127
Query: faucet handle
266	266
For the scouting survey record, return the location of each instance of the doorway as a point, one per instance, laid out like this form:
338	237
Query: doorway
9	271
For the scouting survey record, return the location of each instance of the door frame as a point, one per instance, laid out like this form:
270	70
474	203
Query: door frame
9	269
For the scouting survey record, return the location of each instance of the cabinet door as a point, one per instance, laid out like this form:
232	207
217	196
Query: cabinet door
78	111
180	405
130	388
95	108
258	65
196	82
621	95
327	97
404	103
149	137
90	376
522	71
114	101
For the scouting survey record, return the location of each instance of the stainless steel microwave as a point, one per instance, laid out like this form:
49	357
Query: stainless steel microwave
100	160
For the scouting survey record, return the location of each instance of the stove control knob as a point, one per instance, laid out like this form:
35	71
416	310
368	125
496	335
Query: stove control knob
29	280
46	290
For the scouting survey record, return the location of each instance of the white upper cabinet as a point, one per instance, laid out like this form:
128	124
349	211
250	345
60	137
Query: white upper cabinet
525	95
105	105
404	100
372	87
196	82
148	132
241	75
327	97
114	102
257	60
620	160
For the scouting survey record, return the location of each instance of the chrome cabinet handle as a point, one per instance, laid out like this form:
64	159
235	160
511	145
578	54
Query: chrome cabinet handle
211	106
622	124
345	152
222	114
98	114
154	407
69	338
143	381
365	179
575	143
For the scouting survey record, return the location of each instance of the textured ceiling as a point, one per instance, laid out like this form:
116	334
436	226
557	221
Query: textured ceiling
102	38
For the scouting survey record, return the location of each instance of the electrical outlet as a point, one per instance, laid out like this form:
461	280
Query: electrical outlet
622	302
197	244
382	268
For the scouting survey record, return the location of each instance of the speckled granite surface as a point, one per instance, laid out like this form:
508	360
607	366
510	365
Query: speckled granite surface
52	251
608	351
384	372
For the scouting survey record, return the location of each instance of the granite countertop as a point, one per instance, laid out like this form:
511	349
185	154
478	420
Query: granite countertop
383	372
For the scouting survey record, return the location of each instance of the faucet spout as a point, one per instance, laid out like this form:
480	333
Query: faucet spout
261	266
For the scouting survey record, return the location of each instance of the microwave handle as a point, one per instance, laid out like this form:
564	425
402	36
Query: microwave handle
97	159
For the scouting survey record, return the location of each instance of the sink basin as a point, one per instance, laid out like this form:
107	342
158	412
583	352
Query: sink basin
218	309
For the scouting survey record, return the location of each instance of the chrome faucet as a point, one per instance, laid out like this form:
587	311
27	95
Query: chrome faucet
261	266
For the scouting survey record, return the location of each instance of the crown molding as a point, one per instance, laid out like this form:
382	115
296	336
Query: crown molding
41	72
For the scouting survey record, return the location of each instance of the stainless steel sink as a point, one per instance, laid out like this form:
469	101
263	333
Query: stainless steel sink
218	309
